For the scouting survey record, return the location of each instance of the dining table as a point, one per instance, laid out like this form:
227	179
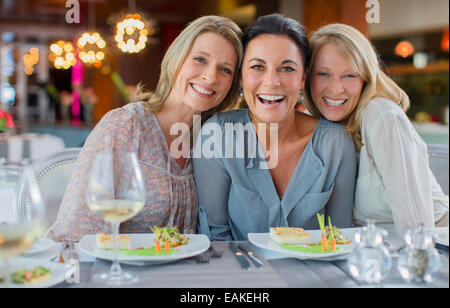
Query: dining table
226	272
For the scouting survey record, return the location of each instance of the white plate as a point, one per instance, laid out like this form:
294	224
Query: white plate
198	243
42	245
263	240
58	272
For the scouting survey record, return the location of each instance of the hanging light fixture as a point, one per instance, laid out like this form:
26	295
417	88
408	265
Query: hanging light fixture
444	43
404	49
62	55
131	33
30	59
132	30
91	45
91	48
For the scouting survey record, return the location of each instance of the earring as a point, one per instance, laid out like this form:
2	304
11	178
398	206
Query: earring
301	95
240	92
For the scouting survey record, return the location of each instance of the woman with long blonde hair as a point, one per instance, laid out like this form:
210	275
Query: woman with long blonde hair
346	84
198	78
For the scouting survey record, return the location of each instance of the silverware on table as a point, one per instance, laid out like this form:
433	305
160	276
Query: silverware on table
239	256
442	249
256	261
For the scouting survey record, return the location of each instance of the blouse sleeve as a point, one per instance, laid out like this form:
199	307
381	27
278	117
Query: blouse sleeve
400	157
115	132
213	187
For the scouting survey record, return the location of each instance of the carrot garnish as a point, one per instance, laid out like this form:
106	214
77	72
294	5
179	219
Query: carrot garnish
323	240
333	237
333	244
324	243
157	246
167	245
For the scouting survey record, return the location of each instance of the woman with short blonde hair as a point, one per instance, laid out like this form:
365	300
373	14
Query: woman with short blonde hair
198	78
346	84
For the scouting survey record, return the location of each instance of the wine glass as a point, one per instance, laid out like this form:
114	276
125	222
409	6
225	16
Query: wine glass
115	192
17	236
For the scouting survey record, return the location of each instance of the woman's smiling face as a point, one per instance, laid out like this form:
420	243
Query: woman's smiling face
207	73
335	86
272	77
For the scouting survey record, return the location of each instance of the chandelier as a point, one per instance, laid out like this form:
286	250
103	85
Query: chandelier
62	55
30	59
131	33
91	46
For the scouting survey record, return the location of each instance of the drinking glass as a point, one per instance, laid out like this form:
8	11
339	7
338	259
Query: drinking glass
17	236
115	192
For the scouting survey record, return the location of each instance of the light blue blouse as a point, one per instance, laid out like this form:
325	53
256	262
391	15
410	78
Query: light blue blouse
237	196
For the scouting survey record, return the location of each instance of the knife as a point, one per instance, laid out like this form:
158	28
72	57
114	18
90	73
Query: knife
258	263
441	248
239	256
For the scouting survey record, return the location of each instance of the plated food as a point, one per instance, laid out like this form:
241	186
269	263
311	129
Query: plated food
106	241
171	237
326	243
289	235
27	276
168	237
29	272
143	249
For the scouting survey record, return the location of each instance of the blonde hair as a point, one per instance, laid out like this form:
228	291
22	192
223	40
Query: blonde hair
176	54
354	47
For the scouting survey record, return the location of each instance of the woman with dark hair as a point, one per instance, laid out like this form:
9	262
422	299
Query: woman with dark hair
269	165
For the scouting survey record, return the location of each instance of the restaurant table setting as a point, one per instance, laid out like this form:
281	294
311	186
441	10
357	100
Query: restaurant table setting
367	256
76	266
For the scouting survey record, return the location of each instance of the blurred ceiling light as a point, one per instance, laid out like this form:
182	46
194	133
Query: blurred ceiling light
89	46
131	33
8	94
420	59
444	43
62	55
30	59
404	49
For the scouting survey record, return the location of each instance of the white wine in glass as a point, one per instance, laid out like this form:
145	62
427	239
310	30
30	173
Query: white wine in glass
115	192
18	236
116	210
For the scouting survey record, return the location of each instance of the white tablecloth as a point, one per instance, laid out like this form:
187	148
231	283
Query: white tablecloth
16	148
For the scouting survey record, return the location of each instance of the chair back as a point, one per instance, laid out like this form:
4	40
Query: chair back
438	160
53	173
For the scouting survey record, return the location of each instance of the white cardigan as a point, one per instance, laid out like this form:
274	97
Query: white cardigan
394	183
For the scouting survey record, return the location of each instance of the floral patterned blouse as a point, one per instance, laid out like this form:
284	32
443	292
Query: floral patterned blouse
171	198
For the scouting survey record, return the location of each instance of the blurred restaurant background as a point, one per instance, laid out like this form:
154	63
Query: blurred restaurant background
65	63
